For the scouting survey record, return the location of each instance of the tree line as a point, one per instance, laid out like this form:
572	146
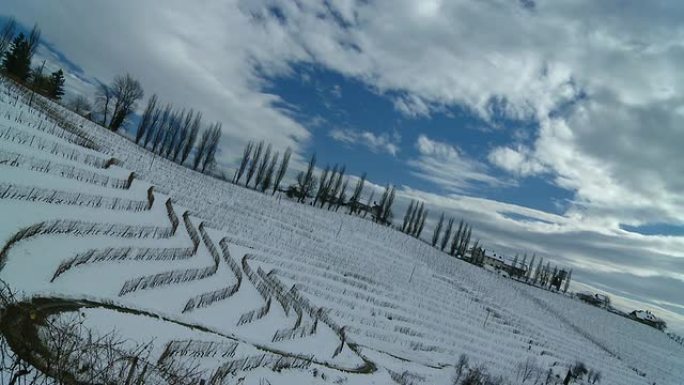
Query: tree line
176	134
17	51
263	170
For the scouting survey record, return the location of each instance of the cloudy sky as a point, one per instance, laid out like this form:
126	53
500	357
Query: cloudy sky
554	127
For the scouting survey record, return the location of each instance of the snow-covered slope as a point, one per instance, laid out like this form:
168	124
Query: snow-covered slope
138	243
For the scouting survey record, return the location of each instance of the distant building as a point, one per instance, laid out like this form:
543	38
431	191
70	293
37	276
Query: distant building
600	300
648	318
500	263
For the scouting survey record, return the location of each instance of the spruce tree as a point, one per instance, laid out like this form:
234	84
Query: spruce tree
17	62
56	85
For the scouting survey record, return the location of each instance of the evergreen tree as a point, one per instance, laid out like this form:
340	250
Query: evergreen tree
56	85
17	62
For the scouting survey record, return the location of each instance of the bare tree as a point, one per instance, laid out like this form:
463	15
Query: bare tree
255	162
334	192
246	155
33	40
212	146
80	105
415	218
161	131
465	241
153	127
261	169
192	137
146	119
339	201
172	133
7	34
183	134
323	182
410	211
461	366
202	146
282	169
268	176
126	91
447	234
456	240
438	230
421	226
566	285
383	211
306	180
103	102
355	200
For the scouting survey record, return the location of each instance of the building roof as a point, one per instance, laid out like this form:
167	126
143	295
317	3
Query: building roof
645	315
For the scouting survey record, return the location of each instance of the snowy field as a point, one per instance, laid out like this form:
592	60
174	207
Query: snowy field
259	290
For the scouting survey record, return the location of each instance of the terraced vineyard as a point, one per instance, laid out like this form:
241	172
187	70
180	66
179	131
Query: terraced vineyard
253	289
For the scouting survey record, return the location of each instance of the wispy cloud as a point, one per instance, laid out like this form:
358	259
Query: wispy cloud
444	165
384	142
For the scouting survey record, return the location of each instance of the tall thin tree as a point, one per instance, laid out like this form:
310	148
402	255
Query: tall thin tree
447	234
254	163
146	119
282	169
438	230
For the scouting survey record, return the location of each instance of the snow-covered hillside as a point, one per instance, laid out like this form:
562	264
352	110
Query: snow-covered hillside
254	289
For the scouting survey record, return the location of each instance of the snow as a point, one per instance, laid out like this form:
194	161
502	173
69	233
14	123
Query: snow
389	301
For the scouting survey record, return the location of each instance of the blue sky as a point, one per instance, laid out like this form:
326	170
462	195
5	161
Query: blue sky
327	102
553	127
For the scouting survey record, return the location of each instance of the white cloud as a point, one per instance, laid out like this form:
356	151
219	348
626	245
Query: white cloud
516	161
376	143
412	106
444	165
